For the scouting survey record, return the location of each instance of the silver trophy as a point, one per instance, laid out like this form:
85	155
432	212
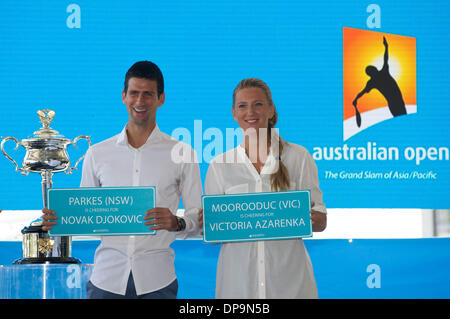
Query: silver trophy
45	154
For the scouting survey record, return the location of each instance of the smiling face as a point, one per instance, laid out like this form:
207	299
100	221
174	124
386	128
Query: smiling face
142	101
252	109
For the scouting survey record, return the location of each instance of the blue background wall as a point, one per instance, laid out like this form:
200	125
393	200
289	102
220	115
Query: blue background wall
73	60
360	268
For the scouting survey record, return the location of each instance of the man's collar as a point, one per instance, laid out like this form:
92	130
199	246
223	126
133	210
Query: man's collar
123	137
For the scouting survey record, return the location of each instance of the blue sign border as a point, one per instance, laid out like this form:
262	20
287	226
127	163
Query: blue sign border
309	234
147	232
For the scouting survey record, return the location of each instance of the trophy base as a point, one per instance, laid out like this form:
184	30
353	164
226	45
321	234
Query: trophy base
47	260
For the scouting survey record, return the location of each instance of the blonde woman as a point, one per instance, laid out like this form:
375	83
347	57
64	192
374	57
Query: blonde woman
264	162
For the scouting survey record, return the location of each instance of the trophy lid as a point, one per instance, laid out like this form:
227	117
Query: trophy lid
46	117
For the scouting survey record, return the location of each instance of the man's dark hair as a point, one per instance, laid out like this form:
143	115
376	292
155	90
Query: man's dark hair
145	70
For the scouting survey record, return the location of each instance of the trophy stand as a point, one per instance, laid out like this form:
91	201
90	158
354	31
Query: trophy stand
45	154
46	185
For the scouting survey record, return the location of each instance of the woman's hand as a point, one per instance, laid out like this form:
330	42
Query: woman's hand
318	219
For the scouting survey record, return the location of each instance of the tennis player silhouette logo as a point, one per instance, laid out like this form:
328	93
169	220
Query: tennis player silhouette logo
379	81
383	81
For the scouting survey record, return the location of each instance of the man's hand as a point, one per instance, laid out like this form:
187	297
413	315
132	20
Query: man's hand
49	219
318	220
161	218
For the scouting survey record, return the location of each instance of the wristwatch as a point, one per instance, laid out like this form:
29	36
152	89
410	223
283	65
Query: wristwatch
181	223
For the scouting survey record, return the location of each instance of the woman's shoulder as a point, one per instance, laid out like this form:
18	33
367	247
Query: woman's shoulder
295	156
294	149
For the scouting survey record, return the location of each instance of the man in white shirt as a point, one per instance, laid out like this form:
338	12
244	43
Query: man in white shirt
141	266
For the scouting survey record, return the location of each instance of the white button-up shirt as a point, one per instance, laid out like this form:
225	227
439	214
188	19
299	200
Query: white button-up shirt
264	269
114	163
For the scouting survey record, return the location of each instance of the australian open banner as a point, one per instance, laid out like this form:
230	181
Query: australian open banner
362	85
257	216
101	211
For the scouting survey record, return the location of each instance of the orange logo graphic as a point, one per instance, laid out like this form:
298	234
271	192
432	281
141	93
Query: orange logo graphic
379	78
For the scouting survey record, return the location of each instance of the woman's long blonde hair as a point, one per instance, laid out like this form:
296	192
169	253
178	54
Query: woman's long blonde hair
279	180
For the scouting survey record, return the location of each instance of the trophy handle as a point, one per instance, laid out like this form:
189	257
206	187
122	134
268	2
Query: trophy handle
24	172
85	137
